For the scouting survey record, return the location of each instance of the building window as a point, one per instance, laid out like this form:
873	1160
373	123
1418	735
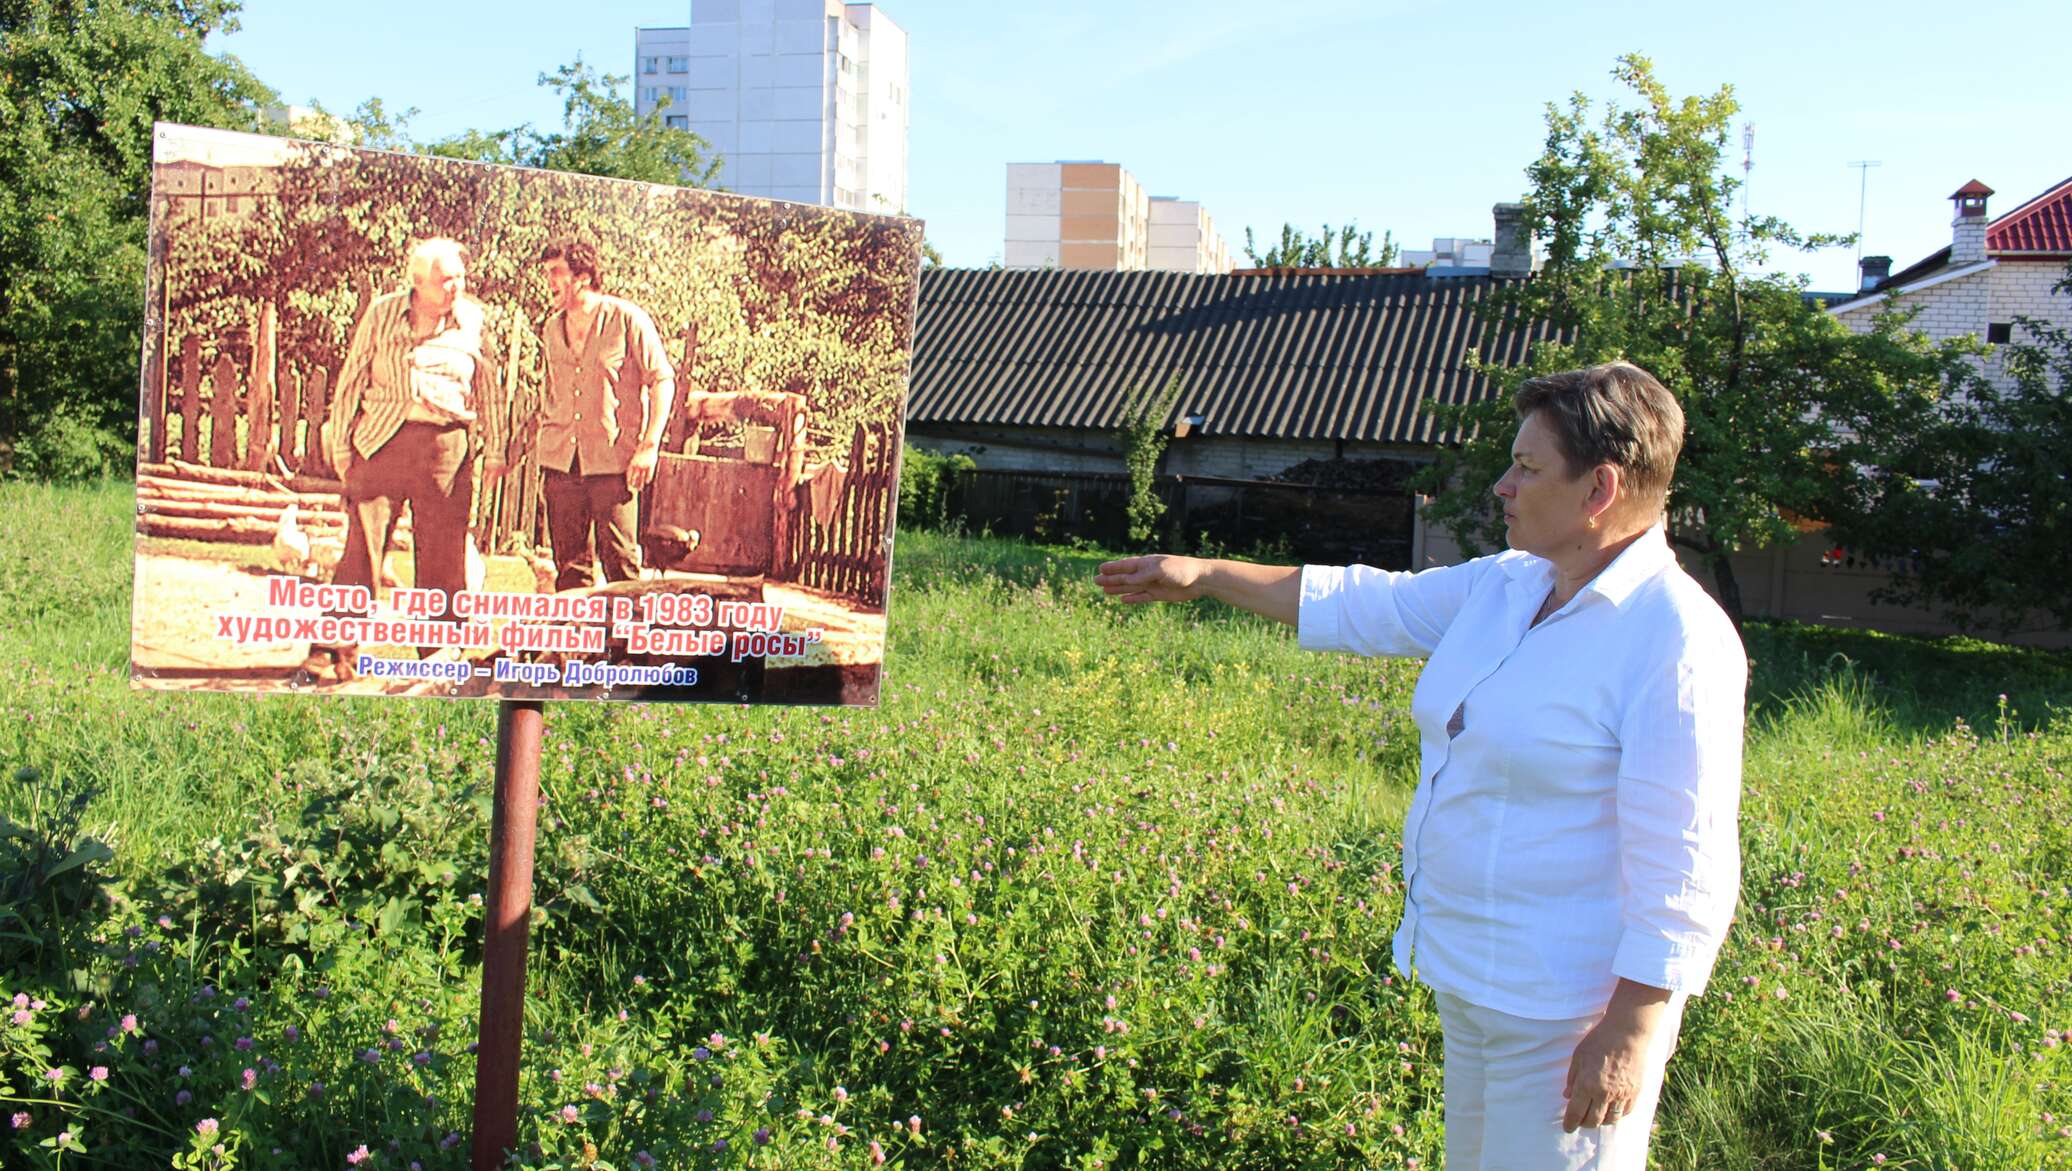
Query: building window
651	94
677	93
679	65
2000	333
651	65
679	121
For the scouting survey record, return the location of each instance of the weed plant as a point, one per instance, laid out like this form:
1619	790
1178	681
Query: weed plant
1094	888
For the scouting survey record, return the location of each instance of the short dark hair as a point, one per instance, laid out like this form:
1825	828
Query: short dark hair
1617	414
581	258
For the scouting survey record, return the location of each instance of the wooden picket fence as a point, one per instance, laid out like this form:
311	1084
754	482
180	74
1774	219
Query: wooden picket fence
847	508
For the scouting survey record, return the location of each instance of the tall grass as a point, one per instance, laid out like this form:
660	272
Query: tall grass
1118	886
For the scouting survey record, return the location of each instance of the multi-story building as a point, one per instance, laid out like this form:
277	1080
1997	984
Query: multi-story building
801	99
1450	256
662	74
1183	238
1095	215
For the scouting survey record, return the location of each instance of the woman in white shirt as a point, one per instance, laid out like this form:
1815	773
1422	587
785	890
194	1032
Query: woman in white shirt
1570	856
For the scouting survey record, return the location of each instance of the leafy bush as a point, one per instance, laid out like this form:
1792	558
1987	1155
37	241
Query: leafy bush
64	446
926	479
50	880
1144	438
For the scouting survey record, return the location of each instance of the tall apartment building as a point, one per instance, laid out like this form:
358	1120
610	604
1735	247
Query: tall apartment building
1184	238
801	99
1095	215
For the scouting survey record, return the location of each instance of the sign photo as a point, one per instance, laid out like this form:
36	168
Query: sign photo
418	426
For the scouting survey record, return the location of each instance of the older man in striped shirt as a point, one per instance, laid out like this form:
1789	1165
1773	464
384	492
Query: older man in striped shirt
414	405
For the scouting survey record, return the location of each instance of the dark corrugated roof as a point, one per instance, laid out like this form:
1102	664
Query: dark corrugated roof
1298	356
1928	265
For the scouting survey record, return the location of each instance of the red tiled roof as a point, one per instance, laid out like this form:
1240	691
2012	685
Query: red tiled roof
2044	224
1972	188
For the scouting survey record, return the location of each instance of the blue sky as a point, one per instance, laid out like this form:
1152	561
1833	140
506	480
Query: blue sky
1408	117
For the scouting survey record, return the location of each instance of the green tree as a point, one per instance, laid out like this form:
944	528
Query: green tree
80	85
1976	521
1348	247
601	134
374	127
1788	414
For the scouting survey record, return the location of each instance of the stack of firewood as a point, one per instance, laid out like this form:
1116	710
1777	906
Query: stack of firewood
230	506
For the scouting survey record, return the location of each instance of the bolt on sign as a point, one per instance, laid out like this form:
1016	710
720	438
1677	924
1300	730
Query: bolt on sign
417	426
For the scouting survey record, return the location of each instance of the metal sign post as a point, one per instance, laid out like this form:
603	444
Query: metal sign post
505	918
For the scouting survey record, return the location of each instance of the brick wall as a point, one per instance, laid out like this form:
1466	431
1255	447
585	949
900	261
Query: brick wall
1968	304
1240	459
2024	289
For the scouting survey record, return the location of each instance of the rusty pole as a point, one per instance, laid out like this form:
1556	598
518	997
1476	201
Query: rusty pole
513	819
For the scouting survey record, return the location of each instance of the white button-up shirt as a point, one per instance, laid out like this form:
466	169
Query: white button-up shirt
1581	826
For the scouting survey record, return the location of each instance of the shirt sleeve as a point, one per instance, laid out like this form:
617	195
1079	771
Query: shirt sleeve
1371	611
347	391
653	358
1679	802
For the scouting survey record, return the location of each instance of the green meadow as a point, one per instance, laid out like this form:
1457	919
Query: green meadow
1093	888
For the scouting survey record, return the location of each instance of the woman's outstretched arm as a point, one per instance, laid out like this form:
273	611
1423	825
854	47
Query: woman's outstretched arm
1272	590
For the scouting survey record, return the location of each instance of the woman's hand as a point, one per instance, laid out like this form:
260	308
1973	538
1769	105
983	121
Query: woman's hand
1604	1075
1610	1062
1272	590
1160	577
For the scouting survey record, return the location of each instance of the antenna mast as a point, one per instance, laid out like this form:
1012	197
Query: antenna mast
1747	164
1863	166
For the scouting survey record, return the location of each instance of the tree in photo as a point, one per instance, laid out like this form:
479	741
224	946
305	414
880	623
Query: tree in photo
781	297
80	86
1348	247
1789	416
334	225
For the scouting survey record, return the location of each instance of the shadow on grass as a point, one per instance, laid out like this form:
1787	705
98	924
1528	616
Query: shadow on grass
1919	685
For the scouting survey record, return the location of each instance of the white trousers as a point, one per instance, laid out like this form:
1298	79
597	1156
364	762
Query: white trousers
1504	1076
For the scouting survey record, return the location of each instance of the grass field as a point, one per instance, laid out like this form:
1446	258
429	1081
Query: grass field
1094	888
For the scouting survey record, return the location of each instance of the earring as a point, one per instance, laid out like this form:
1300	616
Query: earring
1592	522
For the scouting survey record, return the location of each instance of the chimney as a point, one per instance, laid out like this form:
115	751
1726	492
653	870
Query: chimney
1874	270
1968	229
1513	254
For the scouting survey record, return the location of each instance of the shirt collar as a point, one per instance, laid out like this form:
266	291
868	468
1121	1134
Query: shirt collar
1648	555
447	320
1636	565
